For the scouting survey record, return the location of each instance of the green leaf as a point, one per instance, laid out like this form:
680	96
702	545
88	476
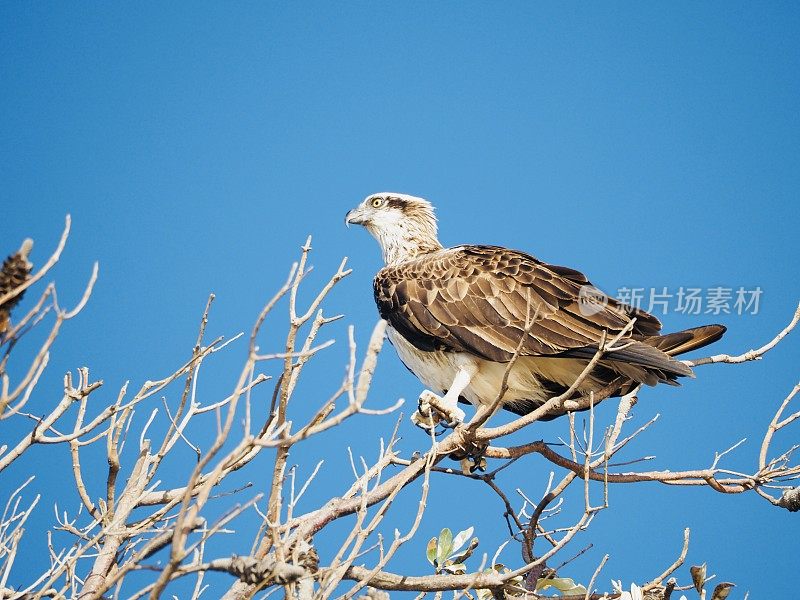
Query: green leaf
562	584
430	551
461	537
455	568
484	594
444	545
466	553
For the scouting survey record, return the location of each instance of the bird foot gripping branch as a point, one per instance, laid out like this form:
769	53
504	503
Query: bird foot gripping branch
434	410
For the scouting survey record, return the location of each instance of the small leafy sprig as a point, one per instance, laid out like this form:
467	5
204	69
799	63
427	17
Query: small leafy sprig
446	555
443	552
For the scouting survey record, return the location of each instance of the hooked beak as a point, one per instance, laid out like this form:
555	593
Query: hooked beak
355	216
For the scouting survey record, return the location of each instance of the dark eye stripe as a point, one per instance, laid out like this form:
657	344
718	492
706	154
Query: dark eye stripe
394	202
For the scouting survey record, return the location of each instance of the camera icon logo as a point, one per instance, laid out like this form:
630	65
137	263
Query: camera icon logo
591	300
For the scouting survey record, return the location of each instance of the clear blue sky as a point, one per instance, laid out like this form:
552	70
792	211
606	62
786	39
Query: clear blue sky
647	145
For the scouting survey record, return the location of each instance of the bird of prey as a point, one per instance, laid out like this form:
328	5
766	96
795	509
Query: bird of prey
458	316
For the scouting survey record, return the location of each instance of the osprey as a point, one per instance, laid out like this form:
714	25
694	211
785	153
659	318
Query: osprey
457	317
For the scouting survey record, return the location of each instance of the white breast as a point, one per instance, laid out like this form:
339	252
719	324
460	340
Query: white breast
437	370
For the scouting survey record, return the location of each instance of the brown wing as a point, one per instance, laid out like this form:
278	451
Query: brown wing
478	299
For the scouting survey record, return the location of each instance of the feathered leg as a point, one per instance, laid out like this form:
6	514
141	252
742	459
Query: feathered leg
447	406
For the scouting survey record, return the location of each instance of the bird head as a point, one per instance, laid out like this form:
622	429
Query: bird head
404	225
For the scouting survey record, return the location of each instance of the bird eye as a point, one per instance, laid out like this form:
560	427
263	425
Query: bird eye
377	202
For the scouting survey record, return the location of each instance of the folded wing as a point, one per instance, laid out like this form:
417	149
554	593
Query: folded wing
488	301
